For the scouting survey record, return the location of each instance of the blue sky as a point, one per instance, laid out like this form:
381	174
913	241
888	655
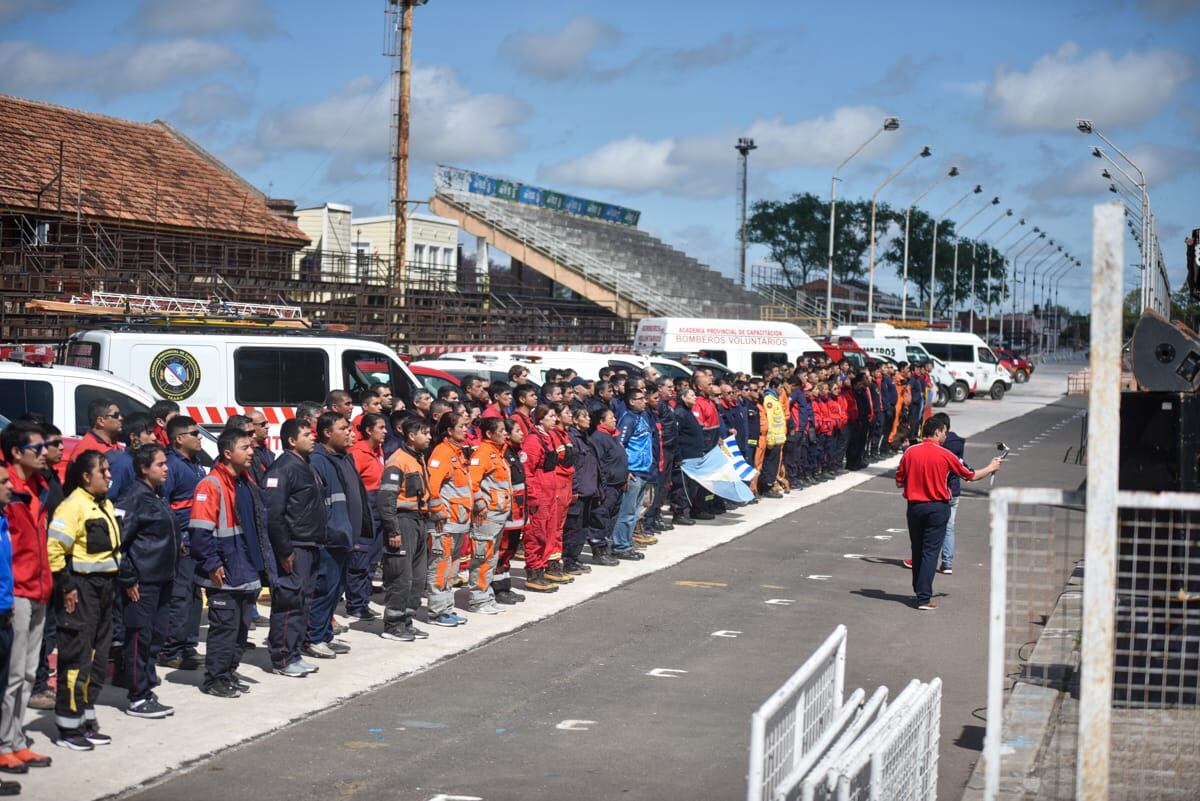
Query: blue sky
640	103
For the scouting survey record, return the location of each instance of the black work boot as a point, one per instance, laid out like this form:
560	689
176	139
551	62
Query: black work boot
601	556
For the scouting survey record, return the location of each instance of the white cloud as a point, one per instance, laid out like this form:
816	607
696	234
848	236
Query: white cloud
557	55
26	67
702	166
210	103
1082	178
449	123
1062	86
194	18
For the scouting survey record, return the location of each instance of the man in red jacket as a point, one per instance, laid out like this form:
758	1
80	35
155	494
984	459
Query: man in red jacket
104	418
24	448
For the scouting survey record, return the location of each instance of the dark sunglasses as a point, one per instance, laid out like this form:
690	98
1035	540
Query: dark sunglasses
36	447
193	433
54	443
115	415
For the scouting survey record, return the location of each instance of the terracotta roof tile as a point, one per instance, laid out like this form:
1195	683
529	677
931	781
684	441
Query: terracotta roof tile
126	171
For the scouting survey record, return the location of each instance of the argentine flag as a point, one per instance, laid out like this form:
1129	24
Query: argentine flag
723	471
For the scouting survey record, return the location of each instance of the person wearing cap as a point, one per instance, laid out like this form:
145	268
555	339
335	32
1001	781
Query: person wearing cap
923	476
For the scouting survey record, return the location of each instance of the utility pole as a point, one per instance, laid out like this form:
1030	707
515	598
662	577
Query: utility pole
400	14
744	146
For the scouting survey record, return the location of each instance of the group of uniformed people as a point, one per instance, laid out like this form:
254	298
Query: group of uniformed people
113	547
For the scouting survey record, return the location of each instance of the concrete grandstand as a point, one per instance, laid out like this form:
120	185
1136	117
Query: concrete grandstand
601	256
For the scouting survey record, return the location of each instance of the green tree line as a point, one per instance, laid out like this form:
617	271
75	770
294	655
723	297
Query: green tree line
796	234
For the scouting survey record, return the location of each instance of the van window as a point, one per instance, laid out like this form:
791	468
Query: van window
962	353
360	368
86	393
670	371
760	361
916	354
986	356
938	349
83	354
717	355
19	395
279	376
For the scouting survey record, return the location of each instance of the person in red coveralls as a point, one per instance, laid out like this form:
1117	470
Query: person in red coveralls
923	475
105	418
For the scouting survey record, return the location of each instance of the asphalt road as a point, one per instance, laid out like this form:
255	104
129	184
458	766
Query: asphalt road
565	708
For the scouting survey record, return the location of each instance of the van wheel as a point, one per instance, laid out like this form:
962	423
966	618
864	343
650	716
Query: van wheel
943	397
1021	376
997	391
961	390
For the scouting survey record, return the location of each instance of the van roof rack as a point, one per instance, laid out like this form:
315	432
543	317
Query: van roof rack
215	311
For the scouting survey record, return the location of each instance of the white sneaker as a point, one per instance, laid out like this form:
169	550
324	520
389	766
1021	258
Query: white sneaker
488	609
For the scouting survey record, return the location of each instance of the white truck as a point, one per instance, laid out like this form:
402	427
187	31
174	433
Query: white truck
747	346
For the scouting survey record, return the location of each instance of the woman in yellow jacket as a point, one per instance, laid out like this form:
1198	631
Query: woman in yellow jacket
83	545
491	480
451	505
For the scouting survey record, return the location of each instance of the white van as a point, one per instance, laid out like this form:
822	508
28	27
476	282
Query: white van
215	374
746	346
62	394
883	340
975	367
586	363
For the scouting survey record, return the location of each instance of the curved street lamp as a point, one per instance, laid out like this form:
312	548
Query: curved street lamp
923	153
974	244
987	325
907	220
995	201
889	124
933	261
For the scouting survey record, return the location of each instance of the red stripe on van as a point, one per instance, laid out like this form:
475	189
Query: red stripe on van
269	413
288	412
230	411
214	415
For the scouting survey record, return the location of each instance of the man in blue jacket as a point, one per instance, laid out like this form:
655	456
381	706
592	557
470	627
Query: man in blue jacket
890	397
229	542
333	439
184	472
635	432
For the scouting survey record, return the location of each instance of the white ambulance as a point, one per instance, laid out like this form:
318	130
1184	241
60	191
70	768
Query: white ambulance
975	366
586	363
213	374
62	394
887	341
746	346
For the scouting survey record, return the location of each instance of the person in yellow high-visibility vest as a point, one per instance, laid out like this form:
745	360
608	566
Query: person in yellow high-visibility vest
776	437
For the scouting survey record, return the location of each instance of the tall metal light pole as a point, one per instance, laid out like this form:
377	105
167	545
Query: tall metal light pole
1019	282
1055	266
987	325
933	261
1057	322
743	147
1016	257
957	238
974	243
923	153
907	221
1085	127
889	124
400	14
1003	273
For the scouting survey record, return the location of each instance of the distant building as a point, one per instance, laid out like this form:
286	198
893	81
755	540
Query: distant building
431	246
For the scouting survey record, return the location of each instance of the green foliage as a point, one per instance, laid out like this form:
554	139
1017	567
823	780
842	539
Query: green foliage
796	232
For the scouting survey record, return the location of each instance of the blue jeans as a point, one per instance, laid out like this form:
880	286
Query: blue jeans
948	544
331	583
627	515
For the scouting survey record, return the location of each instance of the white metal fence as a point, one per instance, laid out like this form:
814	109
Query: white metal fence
807	743
793	720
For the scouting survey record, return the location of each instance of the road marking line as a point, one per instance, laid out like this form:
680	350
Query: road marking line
444	797
701	584
666	673
818	578
772	587
883	537
895	530
780	601
726	633
852	556
574	725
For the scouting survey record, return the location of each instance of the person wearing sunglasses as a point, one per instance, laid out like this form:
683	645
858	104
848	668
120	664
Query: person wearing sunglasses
24	450
42	696
105	421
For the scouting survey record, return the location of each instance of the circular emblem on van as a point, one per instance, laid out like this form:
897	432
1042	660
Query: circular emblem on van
174	374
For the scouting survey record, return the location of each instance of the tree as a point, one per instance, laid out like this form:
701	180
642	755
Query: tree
796	232
920	256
